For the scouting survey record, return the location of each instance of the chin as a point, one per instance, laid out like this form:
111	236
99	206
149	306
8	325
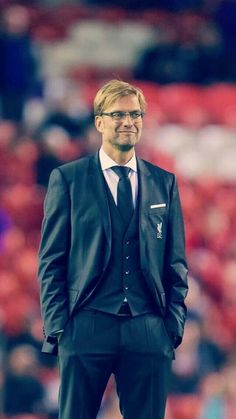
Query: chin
125	147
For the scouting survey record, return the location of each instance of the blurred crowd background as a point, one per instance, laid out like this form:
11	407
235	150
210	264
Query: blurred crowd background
54	55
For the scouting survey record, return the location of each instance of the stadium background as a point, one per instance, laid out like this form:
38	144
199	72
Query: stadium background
53	57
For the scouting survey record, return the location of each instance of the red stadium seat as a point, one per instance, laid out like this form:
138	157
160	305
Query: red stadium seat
220	103
184	406
183	104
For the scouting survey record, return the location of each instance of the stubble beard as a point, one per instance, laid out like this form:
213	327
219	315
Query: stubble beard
124	147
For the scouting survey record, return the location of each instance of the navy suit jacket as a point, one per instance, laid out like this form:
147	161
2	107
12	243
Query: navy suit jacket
72	255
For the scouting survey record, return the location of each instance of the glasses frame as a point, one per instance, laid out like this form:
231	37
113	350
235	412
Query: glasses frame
123	115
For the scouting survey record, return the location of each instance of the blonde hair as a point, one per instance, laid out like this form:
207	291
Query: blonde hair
114	90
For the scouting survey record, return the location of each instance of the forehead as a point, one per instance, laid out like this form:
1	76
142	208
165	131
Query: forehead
125	103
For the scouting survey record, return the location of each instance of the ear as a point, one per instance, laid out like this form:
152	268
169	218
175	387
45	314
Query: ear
99	124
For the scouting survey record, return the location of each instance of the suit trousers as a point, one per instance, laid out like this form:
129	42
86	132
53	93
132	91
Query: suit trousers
137	350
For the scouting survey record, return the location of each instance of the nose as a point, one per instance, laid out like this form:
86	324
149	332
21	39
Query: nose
127	119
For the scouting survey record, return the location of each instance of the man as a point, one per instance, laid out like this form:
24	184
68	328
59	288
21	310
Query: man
112	268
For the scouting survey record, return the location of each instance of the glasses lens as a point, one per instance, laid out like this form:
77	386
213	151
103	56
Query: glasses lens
118	115
135	114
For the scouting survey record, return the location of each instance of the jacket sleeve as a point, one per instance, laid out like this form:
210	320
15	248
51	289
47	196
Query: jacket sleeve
53	254
175	269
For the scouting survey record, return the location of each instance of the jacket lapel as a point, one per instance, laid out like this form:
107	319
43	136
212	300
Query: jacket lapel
96	181
146	188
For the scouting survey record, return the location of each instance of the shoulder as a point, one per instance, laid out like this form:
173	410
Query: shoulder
78	164
155	171
74	168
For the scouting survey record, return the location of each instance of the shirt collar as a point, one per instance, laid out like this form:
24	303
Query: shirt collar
107	162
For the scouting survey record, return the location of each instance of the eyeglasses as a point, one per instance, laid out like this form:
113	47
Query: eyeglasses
120	115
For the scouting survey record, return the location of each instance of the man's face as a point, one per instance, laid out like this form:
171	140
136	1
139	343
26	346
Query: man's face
120	134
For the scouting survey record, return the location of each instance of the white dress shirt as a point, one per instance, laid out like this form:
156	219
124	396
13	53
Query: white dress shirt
112	178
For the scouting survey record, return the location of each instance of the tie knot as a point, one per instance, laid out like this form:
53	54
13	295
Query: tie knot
121	171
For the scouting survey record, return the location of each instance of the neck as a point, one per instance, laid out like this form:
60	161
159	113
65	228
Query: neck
120	157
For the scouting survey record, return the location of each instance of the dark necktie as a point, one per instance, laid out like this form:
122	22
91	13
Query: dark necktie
124	193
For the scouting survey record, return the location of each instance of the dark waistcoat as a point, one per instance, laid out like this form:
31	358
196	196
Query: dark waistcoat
123	277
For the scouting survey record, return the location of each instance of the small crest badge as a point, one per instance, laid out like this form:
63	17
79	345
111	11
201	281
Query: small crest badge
159	230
